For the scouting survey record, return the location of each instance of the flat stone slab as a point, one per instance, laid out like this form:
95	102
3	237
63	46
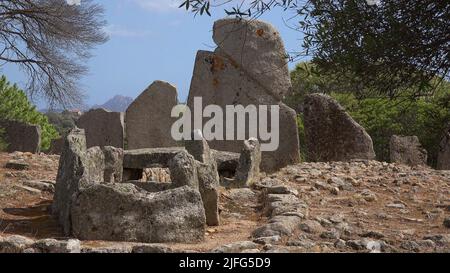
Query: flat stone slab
150	157
123	212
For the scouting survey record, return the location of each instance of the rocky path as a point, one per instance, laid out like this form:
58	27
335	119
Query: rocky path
310	207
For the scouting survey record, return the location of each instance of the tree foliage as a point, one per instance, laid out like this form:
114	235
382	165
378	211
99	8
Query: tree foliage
14	105
50	41
387	46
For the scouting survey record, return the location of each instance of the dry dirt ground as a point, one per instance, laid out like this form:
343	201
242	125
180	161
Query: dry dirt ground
358	206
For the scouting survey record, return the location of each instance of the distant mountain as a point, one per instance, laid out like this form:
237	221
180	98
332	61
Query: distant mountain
117	104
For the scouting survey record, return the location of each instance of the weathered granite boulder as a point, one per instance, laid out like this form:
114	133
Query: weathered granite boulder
257	48
148	118
249	161
443	160
331	134
71	176
79	168
123	212
407	150
208	178
247	68
103	128
183	170
56	146
21	137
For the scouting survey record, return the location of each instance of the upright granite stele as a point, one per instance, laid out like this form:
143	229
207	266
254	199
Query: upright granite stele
331	134
443	160
407	150
248	68
148	119
103	128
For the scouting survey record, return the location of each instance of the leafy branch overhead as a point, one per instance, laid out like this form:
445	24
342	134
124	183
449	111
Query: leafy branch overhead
387	46
50	40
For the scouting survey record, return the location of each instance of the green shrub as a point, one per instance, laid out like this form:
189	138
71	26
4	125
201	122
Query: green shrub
14	105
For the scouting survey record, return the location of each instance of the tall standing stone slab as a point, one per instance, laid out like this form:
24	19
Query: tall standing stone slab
248	169
407	150
331	134
71	176
257	48
21	137
246	75
148	118
103	128
443	160
79	168
208	178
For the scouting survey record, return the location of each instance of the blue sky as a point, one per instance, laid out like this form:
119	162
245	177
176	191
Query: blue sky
152	40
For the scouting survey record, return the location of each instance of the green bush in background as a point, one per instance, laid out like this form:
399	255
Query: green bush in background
14	105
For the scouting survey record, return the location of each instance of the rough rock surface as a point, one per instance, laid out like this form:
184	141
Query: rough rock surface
361	206
220	78
21	137
443	160
407	150
80	167
257	47
148	118
227	162
56	146
103	128
71	176
331	134
149	158
131	214
183	170
248	169
208	178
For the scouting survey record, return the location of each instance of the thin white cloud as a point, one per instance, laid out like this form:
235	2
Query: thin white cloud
159	5
119	31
